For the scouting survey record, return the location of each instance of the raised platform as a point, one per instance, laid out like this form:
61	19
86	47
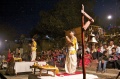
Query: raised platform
25	66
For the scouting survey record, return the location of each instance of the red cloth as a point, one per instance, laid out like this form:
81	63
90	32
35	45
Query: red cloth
66	74
86	60
9	57
99	50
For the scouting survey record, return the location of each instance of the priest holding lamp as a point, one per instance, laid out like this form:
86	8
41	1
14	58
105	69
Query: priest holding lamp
71	57
33	49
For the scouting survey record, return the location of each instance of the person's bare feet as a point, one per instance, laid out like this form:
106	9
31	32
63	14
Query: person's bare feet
103	71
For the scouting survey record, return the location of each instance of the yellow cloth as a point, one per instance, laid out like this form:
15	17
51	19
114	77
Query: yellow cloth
50	67
4	61
34	46
17	59
72	48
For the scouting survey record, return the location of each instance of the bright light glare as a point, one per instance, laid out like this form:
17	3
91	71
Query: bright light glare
5	40
109	17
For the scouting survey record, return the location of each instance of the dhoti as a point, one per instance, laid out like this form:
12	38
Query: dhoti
33	56
70	63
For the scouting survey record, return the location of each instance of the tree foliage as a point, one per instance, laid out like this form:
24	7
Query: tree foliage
66	15
7	32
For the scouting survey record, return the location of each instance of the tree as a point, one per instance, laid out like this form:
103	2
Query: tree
66	15
6	32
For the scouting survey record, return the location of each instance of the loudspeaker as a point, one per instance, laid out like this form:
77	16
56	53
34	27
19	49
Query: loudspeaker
33	76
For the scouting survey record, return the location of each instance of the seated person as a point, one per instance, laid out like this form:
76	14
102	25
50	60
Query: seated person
113	58
87	59
60	57
102	61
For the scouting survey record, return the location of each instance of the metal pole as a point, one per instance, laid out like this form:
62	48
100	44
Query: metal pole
83	46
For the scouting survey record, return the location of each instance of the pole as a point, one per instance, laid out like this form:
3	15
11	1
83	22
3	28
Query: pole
83	45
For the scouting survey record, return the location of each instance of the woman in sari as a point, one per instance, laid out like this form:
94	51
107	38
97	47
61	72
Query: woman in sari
87	59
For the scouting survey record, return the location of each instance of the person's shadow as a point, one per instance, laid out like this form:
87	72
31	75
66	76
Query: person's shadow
32	76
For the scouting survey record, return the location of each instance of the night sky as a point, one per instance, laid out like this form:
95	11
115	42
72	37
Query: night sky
103	8
24	14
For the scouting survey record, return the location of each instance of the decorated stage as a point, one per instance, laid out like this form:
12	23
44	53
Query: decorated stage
48	71
52	72
25	66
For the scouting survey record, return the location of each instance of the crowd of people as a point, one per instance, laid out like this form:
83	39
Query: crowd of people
52	57
102	53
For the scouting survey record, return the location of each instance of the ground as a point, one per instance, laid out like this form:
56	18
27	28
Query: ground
109	74
18	77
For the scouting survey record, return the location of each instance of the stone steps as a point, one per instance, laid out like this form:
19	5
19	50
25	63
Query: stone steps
110	71
109	74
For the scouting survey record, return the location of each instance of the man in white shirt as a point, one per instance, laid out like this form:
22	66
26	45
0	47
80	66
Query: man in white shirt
117	49
111	45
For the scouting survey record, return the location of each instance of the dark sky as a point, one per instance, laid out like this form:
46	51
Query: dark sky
103	8
24	14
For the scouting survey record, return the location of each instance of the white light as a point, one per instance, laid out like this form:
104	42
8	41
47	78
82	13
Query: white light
109	17
5	40
47	36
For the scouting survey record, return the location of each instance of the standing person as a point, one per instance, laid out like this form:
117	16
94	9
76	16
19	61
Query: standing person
33	49
9	56
71	57
17	50
11	63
